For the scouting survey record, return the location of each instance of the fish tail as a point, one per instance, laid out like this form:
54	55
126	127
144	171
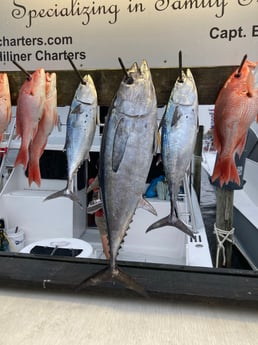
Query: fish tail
34	173
171	221
114	275
67	193
225	169
22	157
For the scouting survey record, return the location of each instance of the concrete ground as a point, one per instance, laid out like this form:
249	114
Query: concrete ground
30	317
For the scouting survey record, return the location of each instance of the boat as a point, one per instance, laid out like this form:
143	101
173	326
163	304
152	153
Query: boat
44	223
245	203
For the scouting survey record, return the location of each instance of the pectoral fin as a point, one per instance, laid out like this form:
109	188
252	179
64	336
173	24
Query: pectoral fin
120	140
143	203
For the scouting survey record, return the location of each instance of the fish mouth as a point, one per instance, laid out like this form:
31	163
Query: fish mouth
135	72
131	74
136	94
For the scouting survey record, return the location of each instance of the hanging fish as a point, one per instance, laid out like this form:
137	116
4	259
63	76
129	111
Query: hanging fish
80	131
5	104
30	106
48	121
236	107
178	137
127	148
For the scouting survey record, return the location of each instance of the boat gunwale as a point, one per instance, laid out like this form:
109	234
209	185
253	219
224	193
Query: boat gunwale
55	273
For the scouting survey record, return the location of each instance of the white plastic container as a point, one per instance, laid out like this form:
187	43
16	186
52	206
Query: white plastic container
16	239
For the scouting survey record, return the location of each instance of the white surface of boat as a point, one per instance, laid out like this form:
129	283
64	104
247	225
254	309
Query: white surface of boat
23	206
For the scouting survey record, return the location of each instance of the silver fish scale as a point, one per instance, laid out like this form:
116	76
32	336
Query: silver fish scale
126	154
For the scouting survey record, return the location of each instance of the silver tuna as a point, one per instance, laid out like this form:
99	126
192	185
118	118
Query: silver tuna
127	148
178	137
80	131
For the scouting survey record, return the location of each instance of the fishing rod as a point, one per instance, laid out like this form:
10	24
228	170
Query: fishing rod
76	70
129	79
22	69
238	74
180	67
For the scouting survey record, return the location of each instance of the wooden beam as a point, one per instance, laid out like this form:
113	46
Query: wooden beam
209	80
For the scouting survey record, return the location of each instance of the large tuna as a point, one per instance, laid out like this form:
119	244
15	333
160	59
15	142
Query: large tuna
5	104
178	137
236	107
80	131
48	121
127	149
30	106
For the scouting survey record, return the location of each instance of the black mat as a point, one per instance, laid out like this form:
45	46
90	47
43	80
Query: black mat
52	251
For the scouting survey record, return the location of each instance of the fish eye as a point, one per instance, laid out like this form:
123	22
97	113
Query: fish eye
129	80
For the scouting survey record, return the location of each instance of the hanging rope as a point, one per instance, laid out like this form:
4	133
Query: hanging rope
222	236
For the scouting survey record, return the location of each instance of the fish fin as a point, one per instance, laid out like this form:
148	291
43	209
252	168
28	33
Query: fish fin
176	117
34	173
216	140
241	146
225	169
65	193
171	221
22	157
146	205
121	136
18	124
113	275
76	110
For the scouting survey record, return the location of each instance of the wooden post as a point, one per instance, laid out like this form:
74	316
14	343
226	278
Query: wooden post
224	222
198	163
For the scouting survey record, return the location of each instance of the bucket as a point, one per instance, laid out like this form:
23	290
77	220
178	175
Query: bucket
16	239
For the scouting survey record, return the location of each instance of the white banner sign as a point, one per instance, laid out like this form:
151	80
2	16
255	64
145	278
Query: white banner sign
95	33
